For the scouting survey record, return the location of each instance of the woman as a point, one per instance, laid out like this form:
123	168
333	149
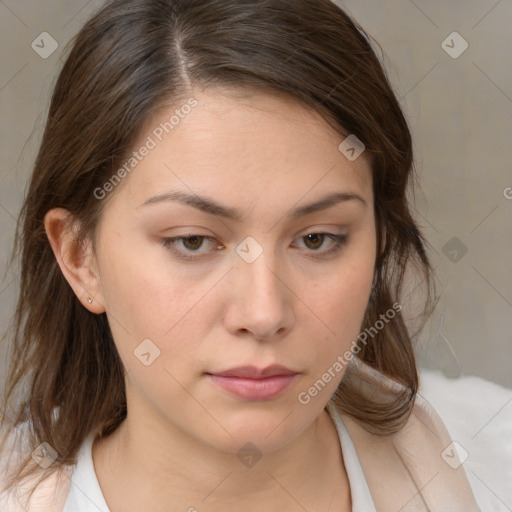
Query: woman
213	247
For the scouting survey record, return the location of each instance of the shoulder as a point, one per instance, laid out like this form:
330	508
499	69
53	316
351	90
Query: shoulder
50	486
478	415
434	459
420	462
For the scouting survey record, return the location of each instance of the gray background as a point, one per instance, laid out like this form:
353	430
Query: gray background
460	113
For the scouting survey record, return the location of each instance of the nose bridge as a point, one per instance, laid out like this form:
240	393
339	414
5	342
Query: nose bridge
259	265
262	298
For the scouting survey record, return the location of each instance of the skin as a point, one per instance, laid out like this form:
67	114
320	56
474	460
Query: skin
263	155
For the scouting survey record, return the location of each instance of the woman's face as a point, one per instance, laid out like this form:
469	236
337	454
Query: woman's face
252	277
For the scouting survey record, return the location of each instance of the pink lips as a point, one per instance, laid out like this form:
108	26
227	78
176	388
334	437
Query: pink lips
254	384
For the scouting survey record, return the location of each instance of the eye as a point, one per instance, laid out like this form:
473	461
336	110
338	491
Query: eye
191	243
316	240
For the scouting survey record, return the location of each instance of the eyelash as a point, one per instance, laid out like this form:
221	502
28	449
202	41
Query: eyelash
168	243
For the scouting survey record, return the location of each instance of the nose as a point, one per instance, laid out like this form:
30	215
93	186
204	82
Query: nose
260	299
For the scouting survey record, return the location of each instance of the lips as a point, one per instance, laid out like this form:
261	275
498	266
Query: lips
254	384
252	372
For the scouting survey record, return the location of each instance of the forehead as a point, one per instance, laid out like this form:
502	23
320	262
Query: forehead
245	146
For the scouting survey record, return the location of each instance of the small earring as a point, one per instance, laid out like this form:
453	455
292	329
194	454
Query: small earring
89	300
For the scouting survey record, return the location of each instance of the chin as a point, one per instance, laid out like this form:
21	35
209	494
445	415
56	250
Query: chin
268	429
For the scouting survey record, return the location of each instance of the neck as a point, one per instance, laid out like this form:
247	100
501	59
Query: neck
169	470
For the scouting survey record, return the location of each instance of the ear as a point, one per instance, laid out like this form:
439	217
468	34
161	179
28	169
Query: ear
76	259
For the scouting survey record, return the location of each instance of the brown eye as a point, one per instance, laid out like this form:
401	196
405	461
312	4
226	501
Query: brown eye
188	247
193	242
316	240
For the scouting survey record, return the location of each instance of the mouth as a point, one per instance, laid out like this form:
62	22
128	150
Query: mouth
254	384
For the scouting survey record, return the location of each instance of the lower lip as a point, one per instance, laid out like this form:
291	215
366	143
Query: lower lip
254	389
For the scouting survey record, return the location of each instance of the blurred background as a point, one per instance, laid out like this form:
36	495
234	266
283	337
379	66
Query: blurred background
449	63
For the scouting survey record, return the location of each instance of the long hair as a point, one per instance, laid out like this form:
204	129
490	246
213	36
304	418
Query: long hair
131	58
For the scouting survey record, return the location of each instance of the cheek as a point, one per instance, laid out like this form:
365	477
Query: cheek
341	304
342	309
138	298
340	301
150	297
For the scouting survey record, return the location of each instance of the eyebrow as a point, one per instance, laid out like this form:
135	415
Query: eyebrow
211	207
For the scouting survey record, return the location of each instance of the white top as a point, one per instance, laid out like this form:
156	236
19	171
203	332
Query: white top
85	493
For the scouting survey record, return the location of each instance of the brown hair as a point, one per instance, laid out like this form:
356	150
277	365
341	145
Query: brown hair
131	58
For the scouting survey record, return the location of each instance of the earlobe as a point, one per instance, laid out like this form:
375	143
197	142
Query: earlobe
76	259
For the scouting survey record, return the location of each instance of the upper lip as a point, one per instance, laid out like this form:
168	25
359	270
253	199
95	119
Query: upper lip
252	372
